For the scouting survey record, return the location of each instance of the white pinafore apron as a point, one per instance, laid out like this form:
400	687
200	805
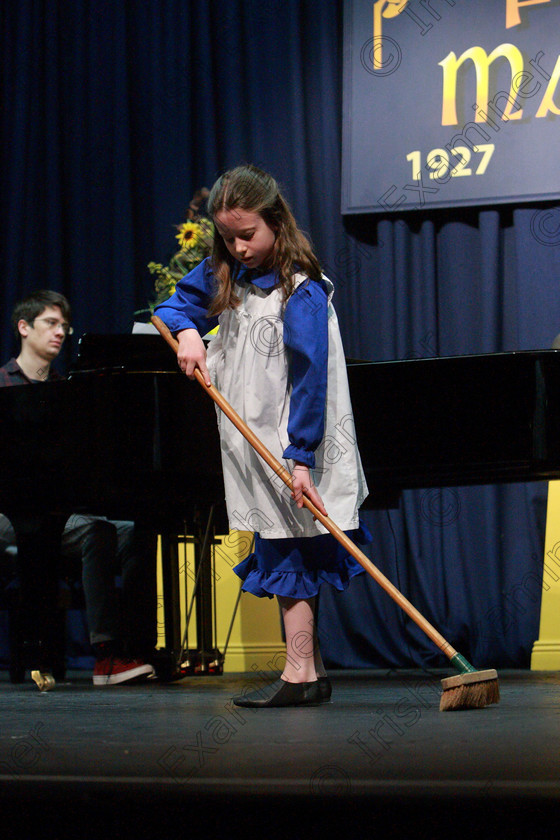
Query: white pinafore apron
248	362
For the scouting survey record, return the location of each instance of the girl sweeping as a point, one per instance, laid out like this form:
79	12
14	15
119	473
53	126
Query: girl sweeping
278	360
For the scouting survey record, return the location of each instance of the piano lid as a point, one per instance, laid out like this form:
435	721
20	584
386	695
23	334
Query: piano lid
457	420
136	352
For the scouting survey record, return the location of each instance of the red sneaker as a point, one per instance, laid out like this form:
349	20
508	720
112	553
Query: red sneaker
114	670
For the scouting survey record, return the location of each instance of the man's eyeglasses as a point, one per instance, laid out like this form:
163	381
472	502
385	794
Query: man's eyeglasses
52	324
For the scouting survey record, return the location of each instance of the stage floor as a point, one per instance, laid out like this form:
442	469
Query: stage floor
380	759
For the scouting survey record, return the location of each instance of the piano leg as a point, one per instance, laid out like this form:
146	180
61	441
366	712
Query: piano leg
206	658
171	599
37	614
209	657
136	554
199	599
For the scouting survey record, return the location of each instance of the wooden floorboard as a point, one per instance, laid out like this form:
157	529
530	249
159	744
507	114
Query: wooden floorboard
149	759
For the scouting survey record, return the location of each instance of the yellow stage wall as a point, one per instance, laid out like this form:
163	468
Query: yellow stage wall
255	642
546	650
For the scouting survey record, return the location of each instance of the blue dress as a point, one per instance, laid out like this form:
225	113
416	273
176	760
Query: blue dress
304	332
297	567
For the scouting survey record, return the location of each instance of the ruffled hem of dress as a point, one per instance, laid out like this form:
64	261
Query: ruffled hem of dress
300	584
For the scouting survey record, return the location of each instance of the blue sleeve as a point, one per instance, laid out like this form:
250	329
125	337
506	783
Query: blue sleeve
306	336
187	307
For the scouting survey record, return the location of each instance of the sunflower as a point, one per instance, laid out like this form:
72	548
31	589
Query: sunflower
195	237
189	236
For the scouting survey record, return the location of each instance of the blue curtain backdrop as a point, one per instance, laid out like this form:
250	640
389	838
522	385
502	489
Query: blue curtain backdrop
114	112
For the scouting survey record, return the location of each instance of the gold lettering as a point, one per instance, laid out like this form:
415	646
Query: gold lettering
548	103
482	62
383	9
513	18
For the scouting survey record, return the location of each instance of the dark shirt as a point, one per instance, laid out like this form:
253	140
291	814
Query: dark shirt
12	374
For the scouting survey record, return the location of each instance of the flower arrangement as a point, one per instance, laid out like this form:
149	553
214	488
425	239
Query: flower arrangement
195	237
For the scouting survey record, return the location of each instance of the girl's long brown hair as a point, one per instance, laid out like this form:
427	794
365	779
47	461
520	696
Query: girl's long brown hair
251	189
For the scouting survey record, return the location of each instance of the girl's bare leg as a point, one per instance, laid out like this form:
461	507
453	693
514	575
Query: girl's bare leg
302	653
319	667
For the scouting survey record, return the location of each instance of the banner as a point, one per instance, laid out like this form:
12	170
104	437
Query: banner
450	103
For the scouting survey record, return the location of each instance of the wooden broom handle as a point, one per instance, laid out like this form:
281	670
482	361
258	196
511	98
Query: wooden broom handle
283	473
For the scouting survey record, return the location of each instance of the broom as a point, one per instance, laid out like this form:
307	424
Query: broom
470	689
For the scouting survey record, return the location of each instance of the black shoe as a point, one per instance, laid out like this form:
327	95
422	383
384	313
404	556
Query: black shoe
163	661
282	693
325	689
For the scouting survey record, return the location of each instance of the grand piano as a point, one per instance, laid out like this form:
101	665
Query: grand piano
128	436
124	436
459	420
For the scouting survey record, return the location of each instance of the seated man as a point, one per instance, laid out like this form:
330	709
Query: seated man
121	638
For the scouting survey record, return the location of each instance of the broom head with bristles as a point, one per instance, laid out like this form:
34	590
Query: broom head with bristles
470	691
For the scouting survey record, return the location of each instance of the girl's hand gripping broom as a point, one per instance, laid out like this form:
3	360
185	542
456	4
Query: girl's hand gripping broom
470	689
